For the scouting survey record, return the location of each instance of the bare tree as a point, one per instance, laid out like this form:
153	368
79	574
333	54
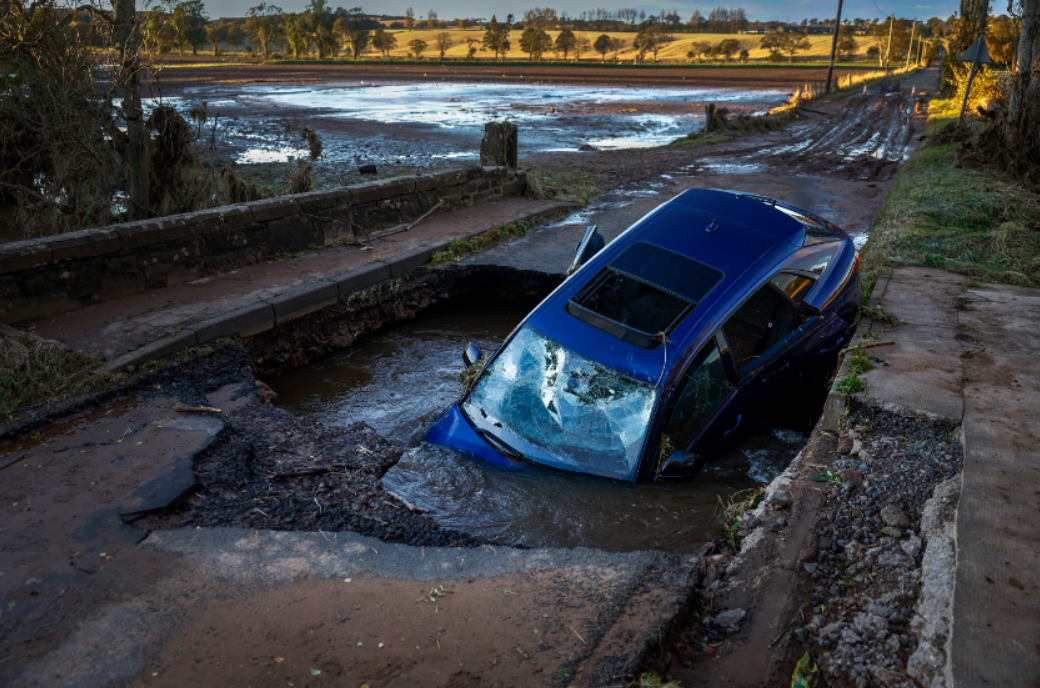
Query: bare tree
1022	130
444	42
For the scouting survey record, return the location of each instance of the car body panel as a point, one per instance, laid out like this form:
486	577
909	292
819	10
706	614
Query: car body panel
750	240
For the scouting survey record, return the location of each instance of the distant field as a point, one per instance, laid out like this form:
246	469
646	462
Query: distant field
674	51
671	52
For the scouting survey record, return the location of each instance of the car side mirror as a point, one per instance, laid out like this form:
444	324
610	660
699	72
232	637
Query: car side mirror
680	465
471	354
591	244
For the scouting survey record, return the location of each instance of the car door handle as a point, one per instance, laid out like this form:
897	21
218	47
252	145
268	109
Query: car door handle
832	348
729	432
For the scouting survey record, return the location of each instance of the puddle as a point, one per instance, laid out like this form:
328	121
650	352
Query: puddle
415	123
399	379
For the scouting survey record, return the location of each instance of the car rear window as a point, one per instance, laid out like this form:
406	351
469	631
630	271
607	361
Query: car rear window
647	290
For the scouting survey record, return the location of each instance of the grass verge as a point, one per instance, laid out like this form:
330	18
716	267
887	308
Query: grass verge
563	186
978	222
36	371
460	248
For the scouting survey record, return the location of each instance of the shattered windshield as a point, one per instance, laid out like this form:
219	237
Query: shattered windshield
541	400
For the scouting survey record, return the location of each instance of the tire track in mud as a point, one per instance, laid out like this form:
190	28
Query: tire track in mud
868	139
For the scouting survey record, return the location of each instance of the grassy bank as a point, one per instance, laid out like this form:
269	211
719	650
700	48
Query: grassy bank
978	222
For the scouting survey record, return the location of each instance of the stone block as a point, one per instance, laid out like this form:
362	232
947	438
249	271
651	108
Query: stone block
317	201
78	279
24	255
293	234
386	188
235	216
407	262
175	227
273	209
361	278
244	322
113	285
304	300
427	182
450	178
86	243
514	188
140	234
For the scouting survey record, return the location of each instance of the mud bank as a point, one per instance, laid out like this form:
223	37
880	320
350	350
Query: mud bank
841	560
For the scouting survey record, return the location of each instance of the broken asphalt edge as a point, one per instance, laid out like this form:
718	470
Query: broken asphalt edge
296	303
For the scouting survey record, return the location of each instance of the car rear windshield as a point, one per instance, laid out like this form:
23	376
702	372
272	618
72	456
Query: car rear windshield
645	291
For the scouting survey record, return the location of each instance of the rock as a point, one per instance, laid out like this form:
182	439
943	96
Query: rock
895	517
730	618
752	522
912	546
892	532
810	568
588	147
779	499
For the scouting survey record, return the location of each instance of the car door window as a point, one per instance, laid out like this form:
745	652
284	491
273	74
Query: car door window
764	320
794	286
703	388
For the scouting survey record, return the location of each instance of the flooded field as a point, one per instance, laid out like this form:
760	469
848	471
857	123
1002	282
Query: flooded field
424	124
400	378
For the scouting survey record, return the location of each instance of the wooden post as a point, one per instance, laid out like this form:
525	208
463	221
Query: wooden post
910	50
709	118
834	50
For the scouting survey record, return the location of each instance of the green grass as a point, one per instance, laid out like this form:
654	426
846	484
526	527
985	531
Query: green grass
460	248
859	363
563	186
850	384
35	373
978	222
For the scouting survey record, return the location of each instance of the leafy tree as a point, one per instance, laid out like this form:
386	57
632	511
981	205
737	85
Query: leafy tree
496	38
847	43
215	35
603	45
534	42
157	33
264	26
431	20
234	35
444	42
1002	35
384	42
322	23
617	45
651	39
774	43
417	47
744	55
727	48
297	32
794	43
540	18
699	49
409	19
188	20
565	43
354	28
581	46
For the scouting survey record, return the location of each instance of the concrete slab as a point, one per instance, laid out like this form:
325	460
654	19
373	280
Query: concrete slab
227	606
996	612
65	495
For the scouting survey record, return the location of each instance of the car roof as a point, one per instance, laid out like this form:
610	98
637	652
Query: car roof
744	236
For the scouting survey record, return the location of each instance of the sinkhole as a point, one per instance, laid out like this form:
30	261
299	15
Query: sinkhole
399	378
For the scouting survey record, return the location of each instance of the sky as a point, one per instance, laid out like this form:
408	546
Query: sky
793	10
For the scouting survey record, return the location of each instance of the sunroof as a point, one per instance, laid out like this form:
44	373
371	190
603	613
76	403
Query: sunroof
645	292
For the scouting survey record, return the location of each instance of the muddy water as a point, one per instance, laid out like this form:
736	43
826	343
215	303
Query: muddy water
398	380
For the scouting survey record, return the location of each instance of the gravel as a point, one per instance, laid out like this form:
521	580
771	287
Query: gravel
867	574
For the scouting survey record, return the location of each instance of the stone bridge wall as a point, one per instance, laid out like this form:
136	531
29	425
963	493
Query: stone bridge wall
42	277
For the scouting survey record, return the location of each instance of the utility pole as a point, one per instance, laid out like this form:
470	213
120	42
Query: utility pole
888	50
128	42
910	49
834	50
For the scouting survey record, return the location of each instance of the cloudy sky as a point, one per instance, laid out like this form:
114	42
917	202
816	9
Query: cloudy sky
792	10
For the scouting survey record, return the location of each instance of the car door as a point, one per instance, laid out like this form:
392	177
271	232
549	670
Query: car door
700	408
766	339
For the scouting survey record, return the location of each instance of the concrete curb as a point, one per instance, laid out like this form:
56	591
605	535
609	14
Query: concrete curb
296	303
836	403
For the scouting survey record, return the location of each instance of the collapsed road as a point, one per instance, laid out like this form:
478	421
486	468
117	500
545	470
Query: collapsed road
418	605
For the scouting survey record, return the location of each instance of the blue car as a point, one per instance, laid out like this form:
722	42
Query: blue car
710	318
